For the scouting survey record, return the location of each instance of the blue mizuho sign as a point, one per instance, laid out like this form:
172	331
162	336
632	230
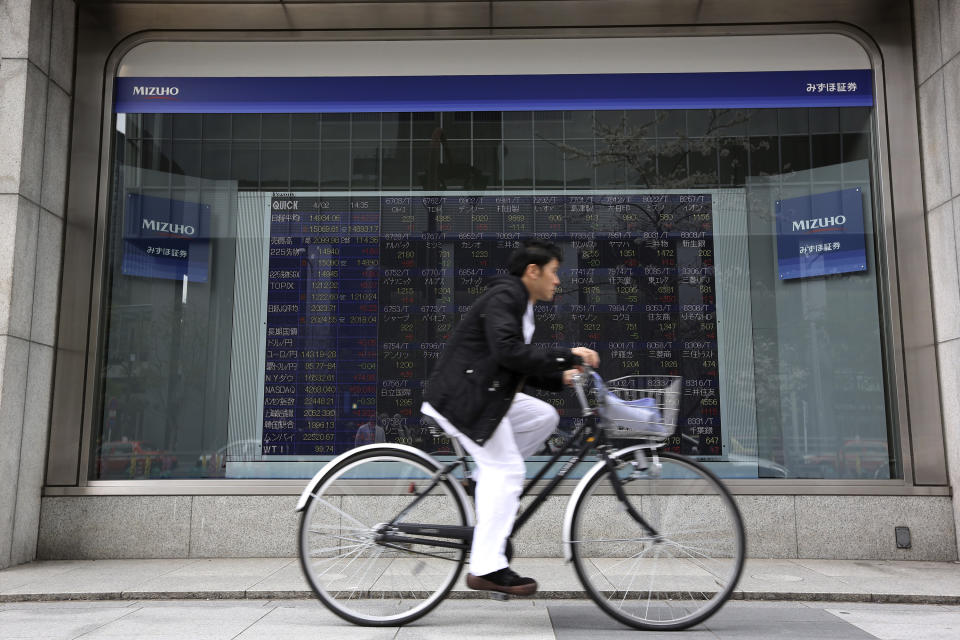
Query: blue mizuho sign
715	90
164	238
821	234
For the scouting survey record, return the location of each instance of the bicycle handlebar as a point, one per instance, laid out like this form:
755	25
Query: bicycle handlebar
579	382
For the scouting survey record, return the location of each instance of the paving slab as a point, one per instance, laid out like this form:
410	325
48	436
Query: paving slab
38	605
516	619
231	578
281	578
893	580
586	620
865	606
785	579
851	569
536	619
303	623
732	613
91	579
765	630
33	571
903	625
59	624
186	621
780	620
286	582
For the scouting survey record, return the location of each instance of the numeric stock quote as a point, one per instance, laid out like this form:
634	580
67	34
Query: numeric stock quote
364	290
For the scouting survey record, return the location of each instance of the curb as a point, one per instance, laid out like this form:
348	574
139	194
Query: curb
252	594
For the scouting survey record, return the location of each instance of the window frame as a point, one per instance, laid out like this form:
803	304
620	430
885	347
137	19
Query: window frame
907	330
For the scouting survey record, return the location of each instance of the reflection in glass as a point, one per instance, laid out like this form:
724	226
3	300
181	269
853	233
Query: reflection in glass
799	366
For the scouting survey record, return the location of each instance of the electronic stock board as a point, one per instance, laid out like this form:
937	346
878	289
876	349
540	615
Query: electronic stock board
363	291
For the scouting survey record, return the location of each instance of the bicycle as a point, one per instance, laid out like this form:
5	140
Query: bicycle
666	559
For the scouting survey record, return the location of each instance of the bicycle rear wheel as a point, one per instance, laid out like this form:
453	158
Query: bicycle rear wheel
371	582
668	581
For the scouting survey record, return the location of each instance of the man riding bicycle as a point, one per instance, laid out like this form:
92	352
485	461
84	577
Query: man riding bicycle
475	394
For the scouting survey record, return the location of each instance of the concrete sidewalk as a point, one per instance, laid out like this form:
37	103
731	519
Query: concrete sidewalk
281	578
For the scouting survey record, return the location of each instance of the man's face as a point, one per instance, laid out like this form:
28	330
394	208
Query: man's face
542	282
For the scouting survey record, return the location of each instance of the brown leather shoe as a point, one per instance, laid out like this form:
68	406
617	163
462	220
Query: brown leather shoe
505	580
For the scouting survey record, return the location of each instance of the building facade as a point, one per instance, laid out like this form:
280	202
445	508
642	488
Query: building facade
241	232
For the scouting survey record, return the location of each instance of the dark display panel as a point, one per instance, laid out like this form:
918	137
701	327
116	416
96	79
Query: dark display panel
364	291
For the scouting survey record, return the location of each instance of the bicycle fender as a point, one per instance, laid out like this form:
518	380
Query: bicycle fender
578	492
328	468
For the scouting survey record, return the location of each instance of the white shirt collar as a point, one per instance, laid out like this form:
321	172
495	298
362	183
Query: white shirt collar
528	324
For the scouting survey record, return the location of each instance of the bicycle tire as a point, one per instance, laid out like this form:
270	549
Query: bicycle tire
664	583
363	581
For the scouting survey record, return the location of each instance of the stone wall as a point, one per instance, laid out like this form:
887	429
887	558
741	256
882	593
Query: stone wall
834	527
36	87
937	25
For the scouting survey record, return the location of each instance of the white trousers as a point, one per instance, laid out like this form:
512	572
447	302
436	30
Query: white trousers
500	473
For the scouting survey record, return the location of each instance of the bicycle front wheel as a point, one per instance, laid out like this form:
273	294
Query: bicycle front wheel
356	574
676	569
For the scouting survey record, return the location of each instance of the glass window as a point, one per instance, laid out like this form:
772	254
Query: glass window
279	285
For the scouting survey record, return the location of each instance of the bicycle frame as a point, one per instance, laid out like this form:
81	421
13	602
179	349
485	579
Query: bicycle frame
669	568
586	437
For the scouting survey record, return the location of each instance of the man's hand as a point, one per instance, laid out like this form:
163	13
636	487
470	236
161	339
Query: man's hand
568	376
590	357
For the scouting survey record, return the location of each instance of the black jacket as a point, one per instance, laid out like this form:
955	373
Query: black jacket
486	362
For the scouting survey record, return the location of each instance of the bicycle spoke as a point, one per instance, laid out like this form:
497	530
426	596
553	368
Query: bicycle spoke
342	513
696	561
663	581
342	558
420	581
633	575
352	537
688	532
320	529
367	570
628	558
313	552
691	549
370	581
650	589
643	539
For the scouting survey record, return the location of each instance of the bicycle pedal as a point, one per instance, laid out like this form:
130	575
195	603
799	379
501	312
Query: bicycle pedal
496	595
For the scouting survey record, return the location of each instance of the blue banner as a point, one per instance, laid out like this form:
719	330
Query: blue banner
754	89
164	238
821	234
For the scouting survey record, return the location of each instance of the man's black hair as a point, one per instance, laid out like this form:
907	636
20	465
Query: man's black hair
538	252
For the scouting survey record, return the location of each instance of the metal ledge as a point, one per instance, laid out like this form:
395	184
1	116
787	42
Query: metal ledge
218	487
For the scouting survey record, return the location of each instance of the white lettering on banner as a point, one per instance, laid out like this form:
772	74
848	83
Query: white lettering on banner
156	91
819	223
166	227
831	87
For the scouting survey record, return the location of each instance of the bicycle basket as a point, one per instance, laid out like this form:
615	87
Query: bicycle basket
641	406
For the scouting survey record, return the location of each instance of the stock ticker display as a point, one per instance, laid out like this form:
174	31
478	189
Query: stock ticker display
365	290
